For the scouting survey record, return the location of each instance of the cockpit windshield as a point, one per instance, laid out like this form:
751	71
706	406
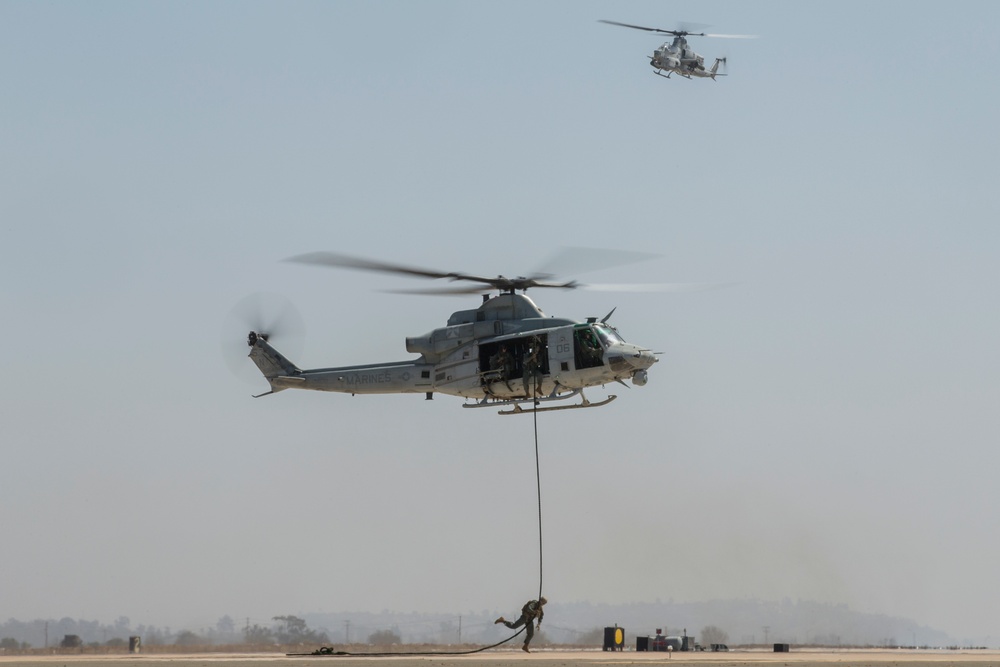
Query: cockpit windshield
607	335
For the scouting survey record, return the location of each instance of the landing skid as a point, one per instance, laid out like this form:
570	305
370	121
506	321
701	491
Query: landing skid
516	403
487	403
518	410
667	75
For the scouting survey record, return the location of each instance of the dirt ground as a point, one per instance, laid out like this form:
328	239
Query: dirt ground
509	658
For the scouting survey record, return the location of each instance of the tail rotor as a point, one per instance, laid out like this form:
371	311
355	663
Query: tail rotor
267	316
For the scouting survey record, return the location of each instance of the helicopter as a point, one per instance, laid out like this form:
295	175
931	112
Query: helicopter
505	353
677	57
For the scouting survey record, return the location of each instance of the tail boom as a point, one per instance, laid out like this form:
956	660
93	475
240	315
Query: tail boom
402	377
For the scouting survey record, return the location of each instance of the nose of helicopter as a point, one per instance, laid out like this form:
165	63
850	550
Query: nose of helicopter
631	356
643	359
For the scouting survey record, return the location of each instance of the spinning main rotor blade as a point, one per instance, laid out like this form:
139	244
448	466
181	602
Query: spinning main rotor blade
445	291
348	262
678	33
499	282
654	287
639	288
570	260
675	33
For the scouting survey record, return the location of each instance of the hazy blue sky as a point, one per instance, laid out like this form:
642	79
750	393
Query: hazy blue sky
827	429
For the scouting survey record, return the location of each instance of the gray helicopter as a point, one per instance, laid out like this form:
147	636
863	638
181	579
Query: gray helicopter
505	353
677	57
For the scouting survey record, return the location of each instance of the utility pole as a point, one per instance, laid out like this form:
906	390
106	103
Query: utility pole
766	629
46	634
347	632
459	628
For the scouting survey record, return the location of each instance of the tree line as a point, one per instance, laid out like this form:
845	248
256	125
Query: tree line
73	633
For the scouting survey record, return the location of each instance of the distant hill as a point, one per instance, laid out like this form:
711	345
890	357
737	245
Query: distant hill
744	621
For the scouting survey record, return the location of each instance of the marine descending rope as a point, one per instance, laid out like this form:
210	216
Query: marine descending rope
330	651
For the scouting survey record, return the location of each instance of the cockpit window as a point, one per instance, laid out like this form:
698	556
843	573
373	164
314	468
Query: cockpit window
587	339
587	349
607	335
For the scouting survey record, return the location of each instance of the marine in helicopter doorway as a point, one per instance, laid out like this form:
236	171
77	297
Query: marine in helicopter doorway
523	358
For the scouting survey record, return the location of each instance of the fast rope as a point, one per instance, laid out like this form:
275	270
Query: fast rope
538	483
330	651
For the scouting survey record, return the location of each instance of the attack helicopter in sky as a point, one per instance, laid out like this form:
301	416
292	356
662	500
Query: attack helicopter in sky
505	353
677	57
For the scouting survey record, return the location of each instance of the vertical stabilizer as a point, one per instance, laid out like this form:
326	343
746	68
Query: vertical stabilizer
715	67
270	362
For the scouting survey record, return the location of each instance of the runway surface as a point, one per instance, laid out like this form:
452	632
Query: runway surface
506	658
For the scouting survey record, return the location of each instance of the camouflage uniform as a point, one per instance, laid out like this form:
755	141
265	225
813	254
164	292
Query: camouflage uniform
529	612
532	371
503	363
